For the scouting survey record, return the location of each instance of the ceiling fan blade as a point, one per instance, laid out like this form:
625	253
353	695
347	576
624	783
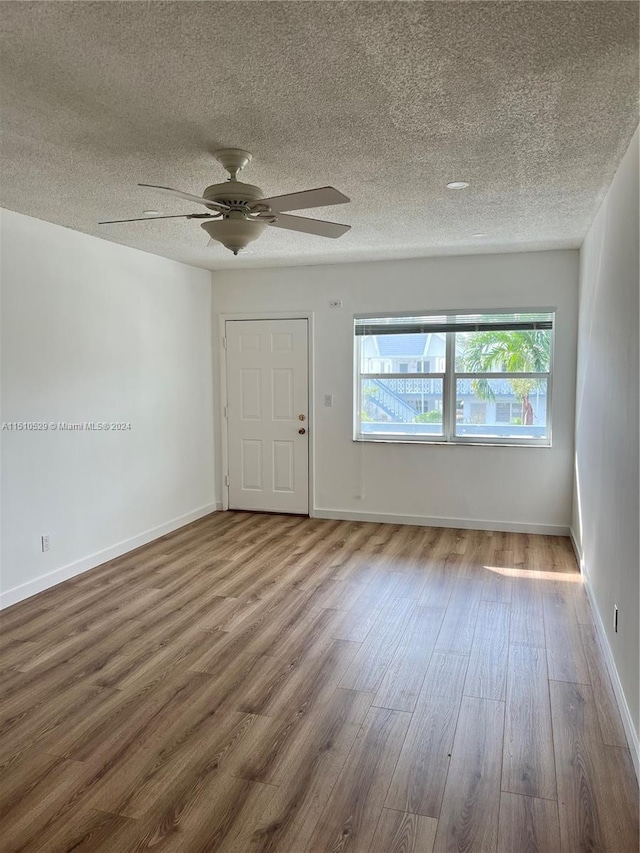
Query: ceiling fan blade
305	199
179	194
310	226
150	218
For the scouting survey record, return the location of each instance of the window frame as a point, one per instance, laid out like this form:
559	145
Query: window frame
449	380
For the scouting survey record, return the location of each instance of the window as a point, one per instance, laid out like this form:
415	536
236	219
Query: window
508	413
425	405
491	386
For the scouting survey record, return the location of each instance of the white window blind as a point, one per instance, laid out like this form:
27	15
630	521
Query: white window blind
441	323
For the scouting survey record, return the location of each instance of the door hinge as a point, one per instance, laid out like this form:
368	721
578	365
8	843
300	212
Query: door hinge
226	411
224	343
227	480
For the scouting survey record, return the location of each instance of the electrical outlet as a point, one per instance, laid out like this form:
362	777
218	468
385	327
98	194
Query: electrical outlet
328	399
335	303
615	618
45	541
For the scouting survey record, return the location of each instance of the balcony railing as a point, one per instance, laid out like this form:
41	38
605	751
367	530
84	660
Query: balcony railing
411	386
500	387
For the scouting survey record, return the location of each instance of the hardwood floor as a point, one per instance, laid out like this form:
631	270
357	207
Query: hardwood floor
278	684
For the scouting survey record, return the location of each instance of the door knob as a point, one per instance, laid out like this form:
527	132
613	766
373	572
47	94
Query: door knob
301	417
301	431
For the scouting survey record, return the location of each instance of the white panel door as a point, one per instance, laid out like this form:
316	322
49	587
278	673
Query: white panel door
268	427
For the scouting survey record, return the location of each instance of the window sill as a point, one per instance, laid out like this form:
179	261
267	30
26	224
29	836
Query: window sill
442	443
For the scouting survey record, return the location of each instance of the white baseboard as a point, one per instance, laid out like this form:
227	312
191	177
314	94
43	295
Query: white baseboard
577	550
39	584
621	699
436	521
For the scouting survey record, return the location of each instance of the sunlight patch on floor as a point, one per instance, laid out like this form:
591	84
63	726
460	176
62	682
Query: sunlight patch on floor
560	577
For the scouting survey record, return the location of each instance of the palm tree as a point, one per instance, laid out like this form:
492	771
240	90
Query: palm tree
526	351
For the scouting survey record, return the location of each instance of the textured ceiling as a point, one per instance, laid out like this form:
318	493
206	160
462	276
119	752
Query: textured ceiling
533	103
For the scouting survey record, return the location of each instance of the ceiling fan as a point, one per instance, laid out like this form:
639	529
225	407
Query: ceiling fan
240	213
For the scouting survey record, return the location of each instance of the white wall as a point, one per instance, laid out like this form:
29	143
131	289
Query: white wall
502	487
606	508
93	331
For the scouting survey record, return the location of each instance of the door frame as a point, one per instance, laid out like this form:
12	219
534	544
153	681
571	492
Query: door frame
223	319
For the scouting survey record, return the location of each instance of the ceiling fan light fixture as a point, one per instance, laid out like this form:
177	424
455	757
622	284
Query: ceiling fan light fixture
234	234
457	185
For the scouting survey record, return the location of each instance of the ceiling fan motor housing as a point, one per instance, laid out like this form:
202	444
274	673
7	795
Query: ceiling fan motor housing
233	192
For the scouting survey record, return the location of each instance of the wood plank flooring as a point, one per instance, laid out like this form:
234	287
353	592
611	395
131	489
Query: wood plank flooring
278	684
